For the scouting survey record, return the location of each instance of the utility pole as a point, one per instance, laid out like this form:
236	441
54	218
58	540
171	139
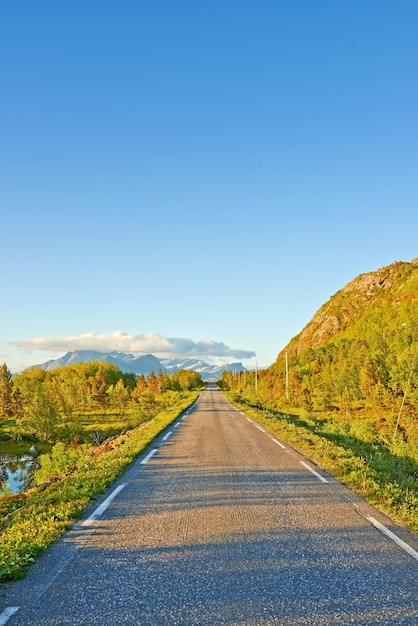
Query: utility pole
287	377
256	378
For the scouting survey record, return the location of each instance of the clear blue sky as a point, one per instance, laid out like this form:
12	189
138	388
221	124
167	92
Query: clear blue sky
199	170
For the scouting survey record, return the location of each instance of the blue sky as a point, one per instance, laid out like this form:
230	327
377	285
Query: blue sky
199	177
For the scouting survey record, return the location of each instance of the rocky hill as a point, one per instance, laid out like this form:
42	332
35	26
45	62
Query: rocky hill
361	347
365	295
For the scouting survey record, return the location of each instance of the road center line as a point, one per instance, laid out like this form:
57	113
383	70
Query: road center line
167	435
149	455
279	443
321	478
8	612
393	537
102	508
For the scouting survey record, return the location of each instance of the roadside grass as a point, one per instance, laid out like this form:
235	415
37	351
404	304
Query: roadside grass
98	426
31	521
385	475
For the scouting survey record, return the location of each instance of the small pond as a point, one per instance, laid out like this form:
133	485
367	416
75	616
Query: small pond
16	472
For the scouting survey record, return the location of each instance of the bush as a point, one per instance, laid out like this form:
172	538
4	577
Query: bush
60	461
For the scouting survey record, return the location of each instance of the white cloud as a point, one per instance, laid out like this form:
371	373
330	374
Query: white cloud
137	344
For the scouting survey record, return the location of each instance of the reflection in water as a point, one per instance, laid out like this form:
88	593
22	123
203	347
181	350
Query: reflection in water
16	472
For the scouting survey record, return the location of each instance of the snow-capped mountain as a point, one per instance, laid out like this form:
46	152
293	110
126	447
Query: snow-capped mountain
205	369
143	364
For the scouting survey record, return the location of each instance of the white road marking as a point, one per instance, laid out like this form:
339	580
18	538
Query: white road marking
102	508
11	610
279	444
242	413
394	537
248	420
177	425
259	428
321	478
167	435
149	455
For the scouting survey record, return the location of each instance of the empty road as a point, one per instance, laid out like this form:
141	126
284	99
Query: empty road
220	523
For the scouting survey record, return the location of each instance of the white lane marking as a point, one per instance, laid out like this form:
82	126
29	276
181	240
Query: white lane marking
242	413
279	443
324	480
102	508
149	455
167	435
259	428
177	425
248	420
11	610
394	537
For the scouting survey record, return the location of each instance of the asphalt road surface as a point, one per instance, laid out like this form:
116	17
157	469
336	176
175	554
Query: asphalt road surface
220	523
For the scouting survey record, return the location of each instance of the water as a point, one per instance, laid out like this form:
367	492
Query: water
16	472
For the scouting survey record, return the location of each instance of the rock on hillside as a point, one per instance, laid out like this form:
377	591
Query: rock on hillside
398	280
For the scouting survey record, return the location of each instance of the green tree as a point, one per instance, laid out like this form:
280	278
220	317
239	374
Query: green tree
98	388
118	395
163	382
140	388
187	380
148	405
41	417
5	391
28	381
152	382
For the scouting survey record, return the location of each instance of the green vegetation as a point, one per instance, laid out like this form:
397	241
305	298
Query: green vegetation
345	390
90	421
78	403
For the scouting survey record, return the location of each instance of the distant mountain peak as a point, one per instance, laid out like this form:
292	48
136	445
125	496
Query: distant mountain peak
142	364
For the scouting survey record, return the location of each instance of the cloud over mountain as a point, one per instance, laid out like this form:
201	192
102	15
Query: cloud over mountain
137	344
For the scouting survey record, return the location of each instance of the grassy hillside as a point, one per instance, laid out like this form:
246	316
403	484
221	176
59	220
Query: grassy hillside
359	352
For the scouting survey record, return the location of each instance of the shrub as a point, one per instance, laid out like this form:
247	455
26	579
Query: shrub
60	461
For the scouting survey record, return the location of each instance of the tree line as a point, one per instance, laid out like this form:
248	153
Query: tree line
44	402
347	378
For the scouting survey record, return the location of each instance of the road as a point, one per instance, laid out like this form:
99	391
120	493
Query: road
220	523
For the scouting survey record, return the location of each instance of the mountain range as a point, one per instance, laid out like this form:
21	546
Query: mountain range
143	364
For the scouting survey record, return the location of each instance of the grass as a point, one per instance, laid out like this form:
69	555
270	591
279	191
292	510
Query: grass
31	521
